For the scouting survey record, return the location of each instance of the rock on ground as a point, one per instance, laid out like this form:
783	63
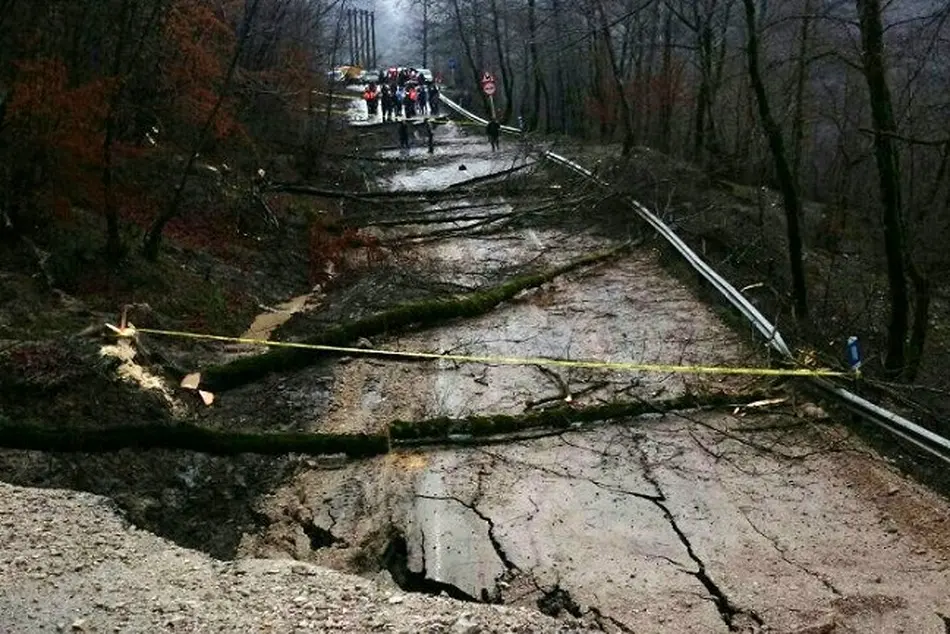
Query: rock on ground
70	562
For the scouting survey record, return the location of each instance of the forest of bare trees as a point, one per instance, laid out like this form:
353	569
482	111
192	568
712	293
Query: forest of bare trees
839	102
842	102
94	93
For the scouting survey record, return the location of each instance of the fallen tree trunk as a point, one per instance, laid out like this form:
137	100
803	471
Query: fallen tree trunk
187	438
490	177
443	214
401	318
310	190
423	195
373	159
487	429
443	429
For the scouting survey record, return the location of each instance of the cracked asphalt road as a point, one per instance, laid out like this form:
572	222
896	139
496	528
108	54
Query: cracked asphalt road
694	522
661	525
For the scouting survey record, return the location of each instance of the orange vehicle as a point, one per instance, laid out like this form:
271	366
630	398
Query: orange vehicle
346	74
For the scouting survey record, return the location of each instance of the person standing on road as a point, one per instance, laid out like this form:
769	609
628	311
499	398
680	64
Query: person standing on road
371	96
429	135
433	100
493	129
400	100
403	129
422	100
410	102
386	99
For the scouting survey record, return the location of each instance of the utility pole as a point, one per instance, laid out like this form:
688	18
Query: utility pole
358	28
364	25
351	29
361	32
372	26
425	33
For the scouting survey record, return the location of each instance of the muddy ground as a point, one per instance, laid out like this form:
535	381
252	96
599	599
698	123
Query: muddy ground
701	522
774	517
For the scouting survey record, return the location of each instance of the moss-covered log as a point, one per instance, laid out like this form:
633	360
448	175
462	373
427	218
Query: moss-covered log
441	430
402	318
186	438
437	430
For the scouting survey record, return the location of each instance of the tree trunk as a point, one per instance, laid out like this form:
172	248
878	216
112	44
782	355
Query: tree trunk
425	33
114	247
153	237
801	79
467	48
562	97
648	100
113	239
705	138
597	75
625	110
540	88
921	323
787	183
666	106
507	81
888	167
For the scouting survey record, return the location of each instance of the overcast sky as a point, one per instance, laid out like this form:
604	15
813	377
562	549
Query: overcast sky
394	31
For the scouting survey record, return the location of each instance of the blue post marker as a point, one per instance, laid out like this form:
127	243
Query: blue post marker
854	355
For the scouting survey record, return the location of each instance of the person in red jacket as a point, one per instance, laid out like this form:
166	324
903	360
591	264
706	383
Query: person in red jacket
412	97
371	96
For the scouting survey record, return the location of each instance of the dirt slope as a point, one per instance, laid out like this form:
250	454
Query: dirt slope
71	563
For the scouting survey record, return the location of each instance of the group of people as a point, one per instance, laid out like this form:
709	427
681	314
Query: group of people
401	94
404	94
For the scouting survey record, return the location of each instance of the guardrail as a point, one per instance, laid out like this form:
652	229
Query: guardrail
925	439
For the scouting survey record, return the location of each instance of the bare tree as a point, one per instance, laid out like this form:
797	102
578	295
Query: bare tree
710	45
626	112
889	174
507	78
152	240
122	68
540	88
787	184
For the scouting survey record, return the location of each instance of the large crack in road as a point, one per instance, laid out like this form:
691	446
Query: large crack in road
711	521
730	613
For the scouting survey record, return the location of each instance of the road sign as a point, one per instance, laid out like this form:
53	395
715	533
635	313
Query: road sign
487	78
452	63
488	87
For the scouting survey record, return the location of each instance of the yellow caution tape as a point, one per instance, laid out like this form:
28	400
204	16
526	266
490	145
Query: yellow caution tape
622	366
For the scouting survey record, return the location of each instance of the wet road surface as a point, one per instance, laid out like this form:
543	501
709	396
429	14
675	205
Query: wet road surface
777	520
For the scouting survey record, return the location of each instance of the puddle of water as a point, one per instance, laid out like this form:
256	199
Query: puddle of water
452	153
